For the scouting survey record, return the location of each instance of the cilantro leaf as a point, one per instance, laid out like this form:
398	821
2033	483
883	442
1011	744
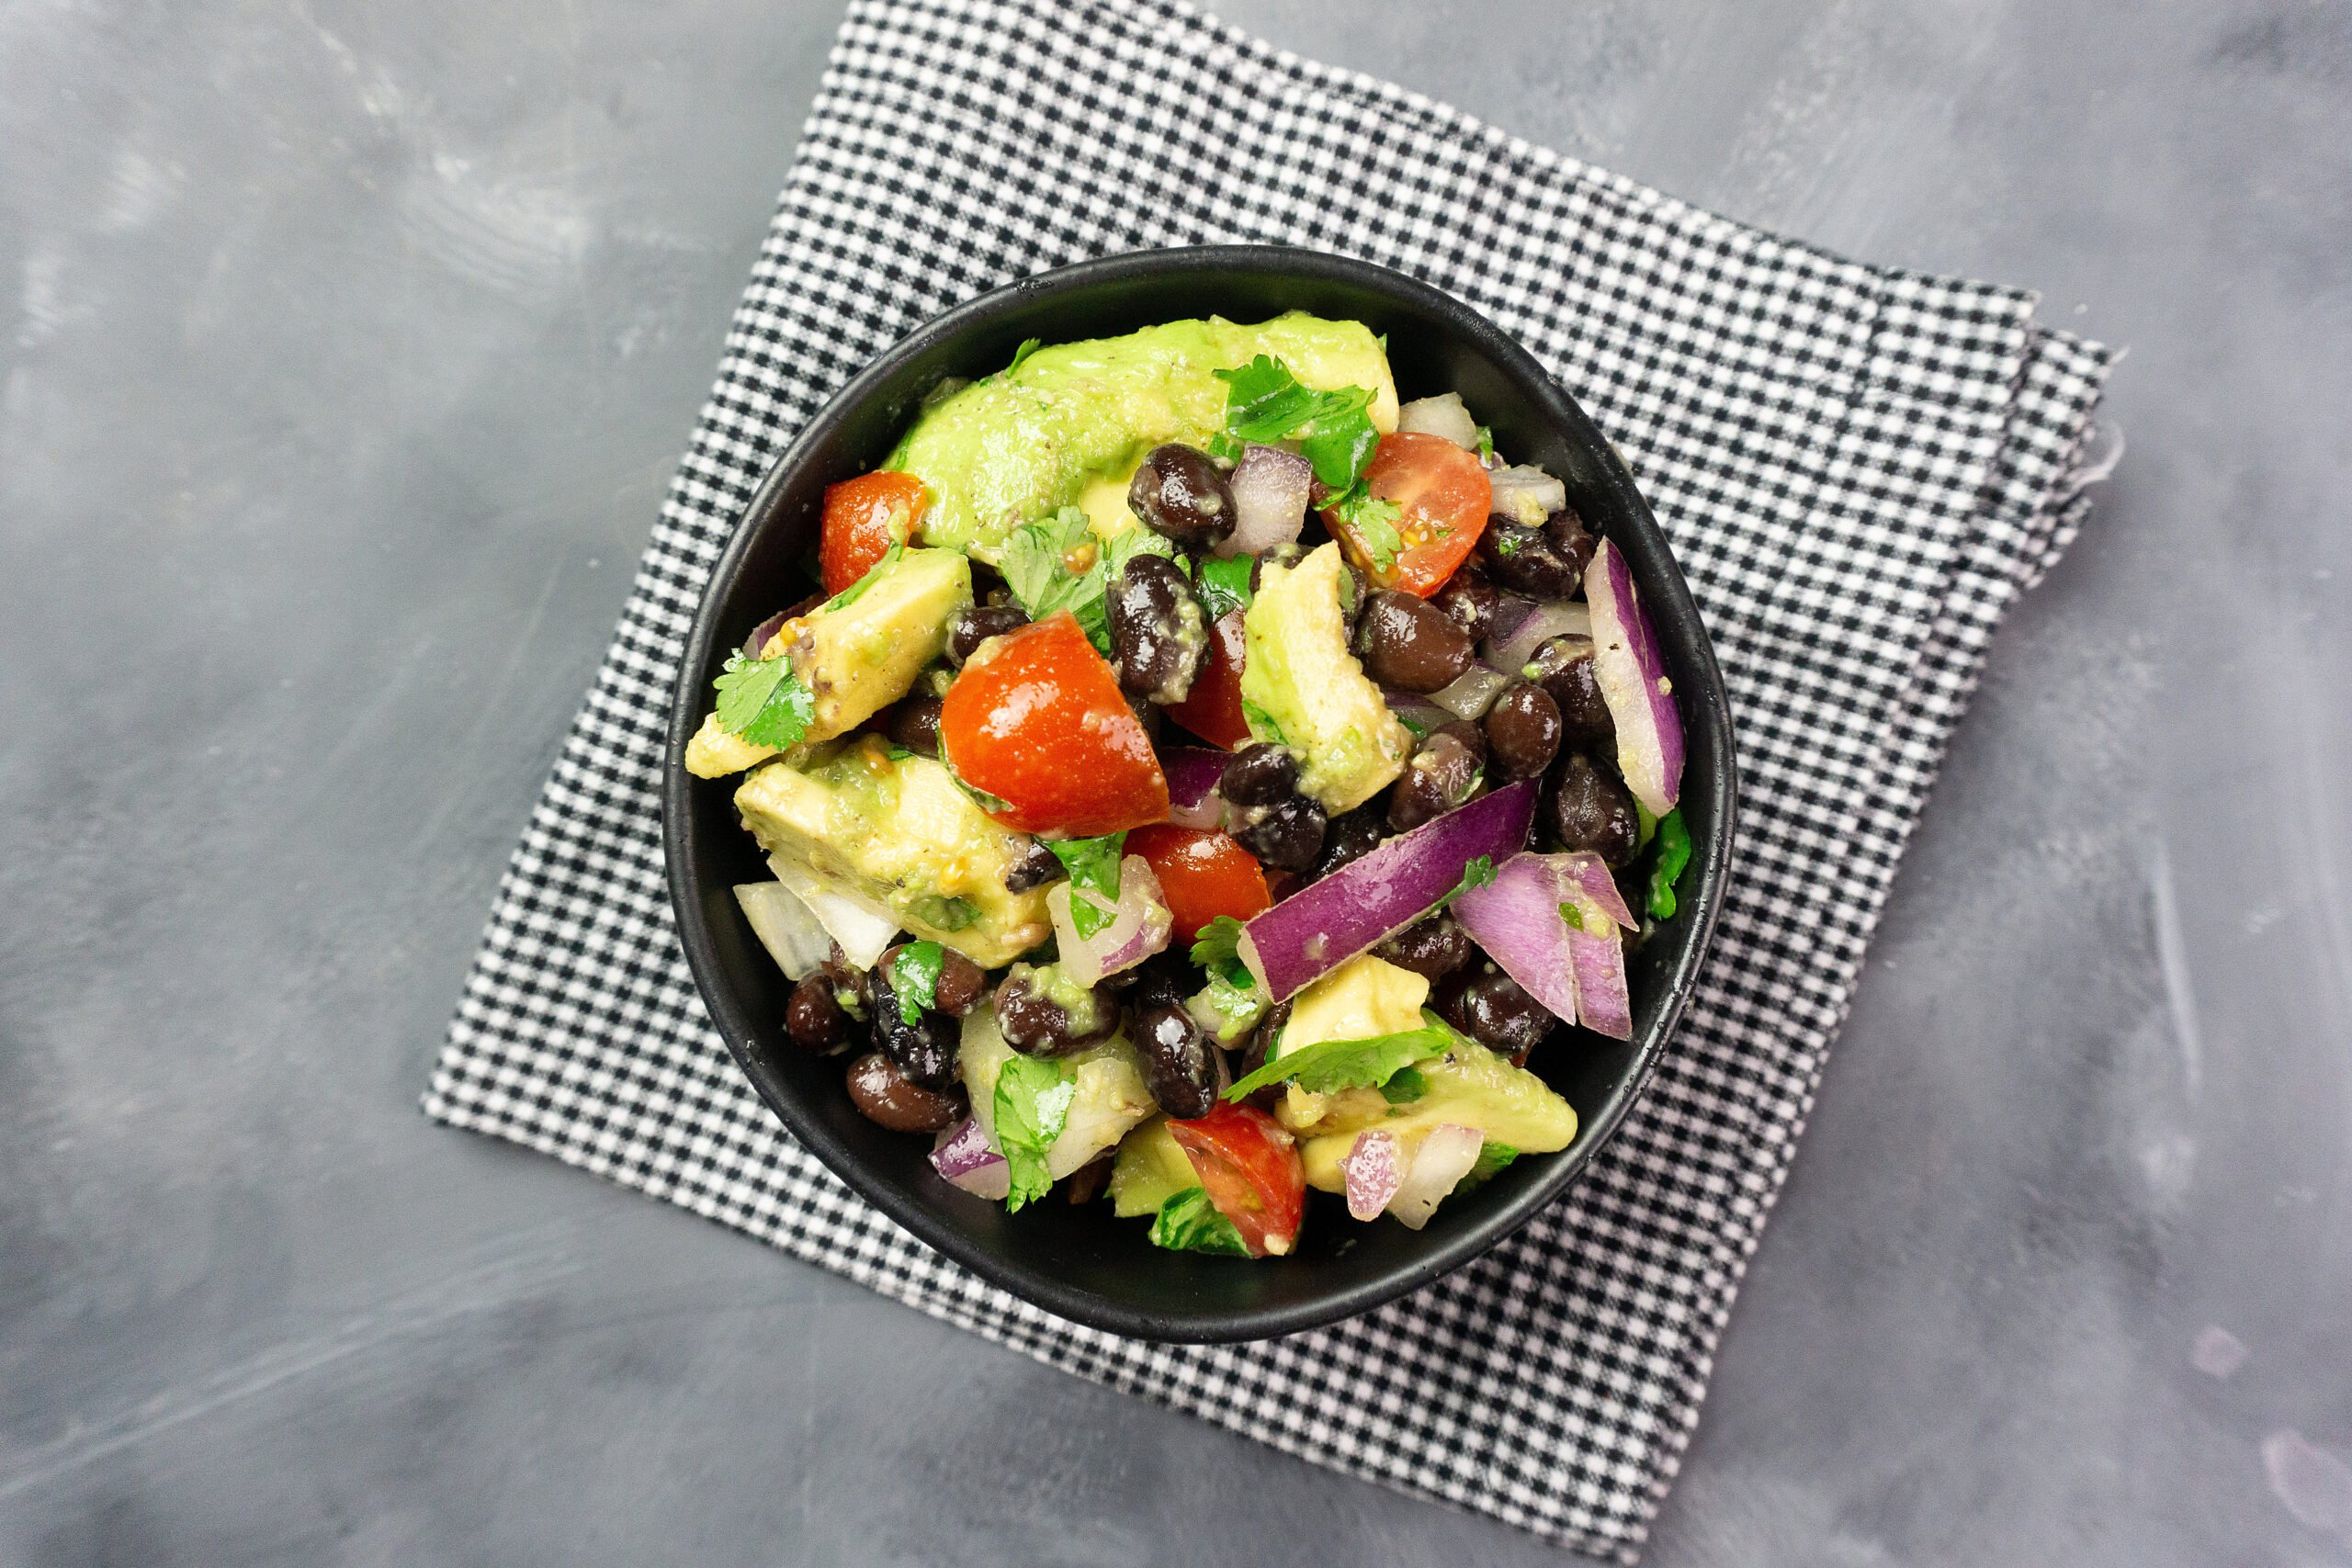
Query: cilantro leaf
1029	346
1093	867
856	591
1373	523
1036	561
761	700
1493	1155
914	979
1033	1100
1263	725
1573	916
1218	949
1265	402
1408	1086
1225	1008
1350	1064
1476	873
1486	445
948	914
1341	440
1224	583
1190	1222
1673	854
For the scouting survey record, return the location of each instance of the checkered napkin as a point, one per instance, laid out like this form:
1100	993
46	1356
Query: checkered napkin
1859	468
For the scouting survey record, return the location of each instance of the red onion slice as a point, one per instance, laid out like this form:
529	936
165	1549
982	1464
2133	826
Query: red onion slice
1323	925
1443	417
1515	919
1444	1157
1139	925
965	1158
1585	873
1270	493
1192	774
1631	674
1375	1169
1553	617
1596	946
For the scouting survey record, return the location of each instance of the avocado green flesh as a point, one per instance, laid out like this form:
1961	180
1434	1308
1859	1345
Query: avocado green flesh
1150	1169
1022	443
901	833
1468	1086
1296	671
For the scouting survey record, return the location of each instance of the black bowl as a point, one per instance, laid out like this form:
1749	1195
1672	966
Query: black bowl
1080	1262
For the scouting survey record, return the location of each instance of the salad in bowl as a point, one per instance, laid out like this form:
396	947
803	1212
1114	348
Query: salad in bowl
1200	780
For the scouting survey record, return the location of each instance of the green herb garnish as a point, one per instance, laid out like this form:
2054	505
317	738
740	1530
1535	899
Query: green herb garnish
1263	725
1673	854
914	979
1093	867
1028	347
1033	1100
856	591
1370	1063
1040	564
1478	873
1408	1086
764	701
1218	949
1573	916
1486	445
1373	523
1265	402
1492	1157
945	914
1190	1222
1224	583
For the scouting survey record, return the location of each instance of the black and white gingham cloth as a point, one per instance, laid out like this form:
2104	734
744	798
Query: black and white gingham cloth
1860	469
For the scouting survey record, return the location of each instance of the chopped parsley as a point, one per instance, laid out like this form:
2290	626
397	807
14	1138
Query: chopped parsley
1476	873
1408	1086
1093	867
1673	853
764	701
1370	1063
1573	916
1033	1100
914	979
1493	1155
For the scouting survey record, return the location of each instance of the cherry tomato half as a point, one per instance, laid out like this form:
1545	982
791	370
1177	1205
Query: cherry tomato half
1212	710
864	517
1035	718
1202	874
1250	1168
1443	495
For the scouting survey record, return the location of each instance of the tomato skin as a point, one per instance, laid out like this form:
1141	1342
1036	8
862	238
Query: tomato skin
1445	497
1212	710
1201	875
1250	1167
1036	719
864	517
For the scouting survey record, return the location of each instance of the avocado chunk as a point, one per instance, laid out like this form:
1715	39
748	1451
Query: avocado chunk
855	656
1027	441
1468	1086
901	833
1301	686
1150	1169
1111	1096
1361	999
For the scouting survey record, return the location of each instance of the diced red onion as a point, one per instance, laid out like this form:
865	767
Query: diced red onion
1553	617
1443	417
1632	675
964	1156
1527	495
1325	923
1515	919
1375	1169
1192	774
1270	493
793	936
1444	1157
1138	928
1473	694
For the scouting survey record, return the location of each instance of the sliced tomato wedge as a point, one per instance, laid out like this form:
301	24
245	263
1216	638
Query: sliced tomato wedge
1250	1168
1035	719
1201	875
1443	497
1212	710
864	517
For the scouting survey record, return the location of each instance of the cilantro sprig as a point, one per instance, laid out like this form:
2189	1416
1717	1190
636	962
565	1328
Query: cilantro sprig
1093	867
1189	1222
764	701
1329	1064
1224	584
914	979
1476	872
1265	402
1218	949
1033	1100
1056	563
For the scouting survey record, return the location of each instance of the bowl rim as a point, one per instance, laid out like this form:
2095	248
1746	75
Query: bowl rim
1666	595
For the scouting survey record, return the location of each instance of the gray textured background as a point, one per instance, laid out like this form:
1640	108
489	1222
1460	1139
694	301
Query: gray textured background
347	350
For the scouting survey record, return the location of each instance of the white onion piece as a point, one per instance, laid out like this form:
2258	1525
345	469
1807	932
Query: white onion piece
863	928
1553	617
1473	694
1631	675
1444	1157
964	1156
1375	1169
1270	495
1443	416
1527	495
784	927
1139	927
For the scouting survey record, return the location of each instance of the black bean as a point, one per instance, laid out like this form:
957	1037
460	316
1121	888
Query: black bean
1158	635
975	623
1587	807
1411	644
1284	554
1179	1065
914	724
1164	977
813	1018
1563	667
1523	730
1468	600
1259	774
1035	1025
923	1050
884	1094
850	989
1288	834
1181	492
1034	867
962	984
1350	836
1432	948
1523	560
1442	774
1565	530
1261	1045
1492	1008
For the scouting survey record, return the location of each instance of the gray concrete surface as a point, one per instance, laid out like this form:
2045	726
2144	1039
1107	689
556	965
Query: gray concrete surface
346	349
